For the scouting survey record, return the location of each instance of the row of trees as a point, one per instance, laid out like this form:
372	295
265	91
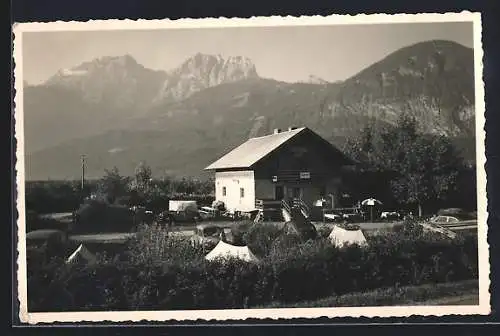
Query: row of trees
142	189
114	188
417	168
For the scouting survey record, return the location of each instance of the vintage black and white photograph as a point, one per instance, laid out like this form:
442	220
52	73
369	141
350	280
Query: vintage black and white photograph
265	167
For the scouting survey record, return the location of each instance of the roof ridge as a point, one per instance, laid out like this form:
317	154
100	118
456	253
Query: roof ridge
267	135
254	149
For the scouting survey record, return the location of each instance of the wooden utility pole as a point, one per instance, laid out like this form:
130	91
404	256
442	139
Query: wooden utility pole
83	170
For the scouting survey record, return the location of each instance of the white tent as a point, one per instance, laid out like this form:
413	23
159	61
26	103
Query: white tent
341	237
225	250
81	253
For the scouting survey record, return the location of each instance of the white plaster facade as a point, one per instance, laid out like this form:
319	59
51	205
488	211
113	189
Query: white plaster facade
239	189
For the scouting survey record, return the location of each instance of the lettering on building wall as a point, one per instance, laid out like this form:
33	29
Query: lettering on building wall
305	175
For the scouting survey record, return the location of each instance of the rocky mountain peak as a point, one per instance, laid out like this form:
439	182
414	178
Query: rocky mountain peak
202	71
119	80
122	66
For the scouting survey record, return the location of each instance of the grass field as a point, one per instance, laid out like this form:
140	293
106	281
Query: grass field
455	293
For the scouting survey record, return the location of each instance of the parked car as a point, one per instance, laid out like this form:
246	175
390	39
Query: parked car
209	212
39	238
465	223
170	218
332	217
352	216
391	215
207	235
182	211
452	220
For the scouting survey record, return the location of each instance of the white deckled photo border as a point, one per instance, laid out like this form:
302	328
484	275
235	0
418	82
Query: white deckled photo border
482	308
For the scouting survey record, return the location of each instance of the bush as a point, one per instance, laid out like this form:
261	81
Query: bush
155	245
238	232
99	216
324	231
55	196
166	273
260	237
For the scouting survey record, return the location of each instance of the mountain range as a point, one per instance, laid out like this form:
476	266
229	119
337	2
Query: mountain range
120	113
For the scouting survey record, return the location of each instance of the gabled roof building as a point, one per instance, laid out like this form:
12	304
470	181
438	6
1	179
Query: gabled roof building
297	163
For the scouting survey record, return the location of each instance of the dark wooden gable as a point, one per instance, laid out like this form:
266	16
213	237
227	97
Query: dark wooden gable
305	153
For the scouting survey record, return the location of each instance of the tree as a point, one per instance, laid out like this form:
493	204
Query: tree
113	185
143	177
425	167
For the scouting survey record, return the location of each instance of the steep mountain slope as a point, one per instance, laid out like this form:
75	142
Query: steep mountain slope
432	81
54	114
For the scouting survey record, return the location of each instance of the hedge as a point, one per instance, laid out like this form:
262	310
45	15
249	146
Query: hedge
303	271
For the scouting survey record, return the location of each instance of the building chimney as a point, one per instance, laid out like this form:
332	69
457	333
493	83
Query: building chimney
291	128
276	131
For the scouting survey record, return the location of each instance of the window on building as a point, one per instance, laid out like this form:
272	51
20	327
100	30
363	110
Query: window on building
223	191
242	192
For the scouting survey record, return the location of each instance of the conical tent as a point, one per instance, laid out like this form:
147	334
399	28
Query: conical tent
341	237
225	250
81	254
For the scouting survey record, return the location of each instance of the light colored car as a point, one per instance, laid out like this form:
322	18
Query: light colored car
444	219
451	220
390	215
332	217
454	223
352	216
38	238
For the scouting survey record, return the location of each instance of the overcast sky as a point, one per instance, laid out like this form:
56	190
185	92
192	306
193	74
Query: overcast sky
283	53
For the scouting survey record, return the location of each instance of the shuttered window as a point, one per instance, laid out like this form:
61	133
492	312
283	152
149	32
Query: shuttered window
223	191
242	192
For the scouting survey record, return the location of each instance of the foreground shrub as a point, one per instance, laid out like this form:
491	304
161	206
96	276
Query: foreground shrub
324	231
238	232
166	273
260	238
155	244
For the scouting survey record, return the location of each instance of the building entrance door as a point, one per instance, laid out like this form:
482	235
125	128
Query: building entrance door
279	193
295	192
